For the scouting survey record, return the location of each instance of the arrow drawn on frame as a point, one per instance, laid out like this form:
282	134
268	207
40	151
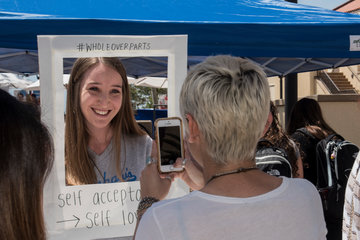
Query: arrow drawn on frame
75	219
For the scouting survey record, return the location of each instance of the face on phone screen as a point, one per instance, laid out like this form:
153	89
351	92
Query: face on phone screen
170	144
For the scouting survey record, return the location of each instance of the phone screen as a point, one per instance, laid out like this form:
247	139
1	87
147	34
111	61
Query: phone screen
170	144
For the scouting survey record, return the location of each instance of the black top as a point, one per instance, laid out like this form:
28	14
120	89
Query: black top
307	144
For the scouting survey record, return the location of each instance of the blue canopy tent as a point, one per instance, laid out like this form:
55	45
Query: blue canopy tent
280	36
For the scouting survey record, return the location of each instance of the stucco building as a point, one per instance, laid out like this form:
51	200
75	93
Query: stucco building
337	90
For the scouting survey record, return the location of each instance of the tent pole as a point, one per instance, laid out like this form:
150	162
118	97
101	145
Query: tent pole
291	89
291	94
281	86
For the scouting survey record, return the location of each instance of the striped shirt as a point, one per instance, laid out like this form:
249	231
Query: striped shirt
351	217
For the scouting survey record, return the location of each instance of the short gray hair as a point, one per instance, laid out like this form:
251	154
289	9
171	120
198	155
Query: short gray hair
229	98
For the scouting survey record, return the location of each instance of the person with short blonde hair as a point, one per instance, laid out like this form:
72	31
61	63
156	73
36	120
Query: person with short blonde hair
224	102
224	89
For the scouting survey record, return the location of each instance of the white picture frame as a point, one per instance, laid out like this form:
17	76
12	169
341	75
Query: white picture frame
97	211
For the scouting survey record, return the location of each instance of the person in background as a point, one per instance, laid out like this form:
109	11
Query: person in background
307	127
20	96
351	215
351	220
306	115
103	142
34	99
225	101
26	158
275	134
28	98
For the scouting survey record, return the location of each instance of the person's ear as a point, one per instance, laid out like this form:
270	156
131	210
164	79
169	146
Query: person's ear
193	129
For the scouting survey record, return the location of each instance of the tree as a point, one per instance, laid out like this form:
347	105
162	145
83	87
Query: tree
144	97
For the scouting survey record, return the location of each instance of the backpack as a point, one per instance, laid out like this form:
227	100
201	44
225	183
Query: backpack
334	157
272	160
307	144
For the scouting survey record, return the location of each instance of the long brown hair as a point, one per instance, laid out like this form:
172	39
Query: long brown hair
277	136
307	113
79	165
26	155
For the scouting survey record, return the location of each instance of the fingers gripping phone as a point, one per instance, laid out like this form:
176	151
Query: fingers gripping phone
169	138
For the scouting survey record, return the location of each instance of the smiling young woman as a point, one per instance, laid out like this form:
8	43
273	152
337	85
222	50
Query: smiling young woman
103	142
100	97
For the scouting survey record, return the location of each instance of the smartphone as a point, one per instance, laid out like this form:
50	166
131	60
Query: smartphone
169	138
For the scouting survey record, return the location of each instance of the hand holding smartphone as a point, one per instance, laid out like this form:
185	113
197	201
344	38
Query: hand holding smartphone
169	138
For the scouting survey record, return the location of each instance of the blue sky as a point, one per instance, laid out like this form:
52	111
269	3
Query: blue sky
328	4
